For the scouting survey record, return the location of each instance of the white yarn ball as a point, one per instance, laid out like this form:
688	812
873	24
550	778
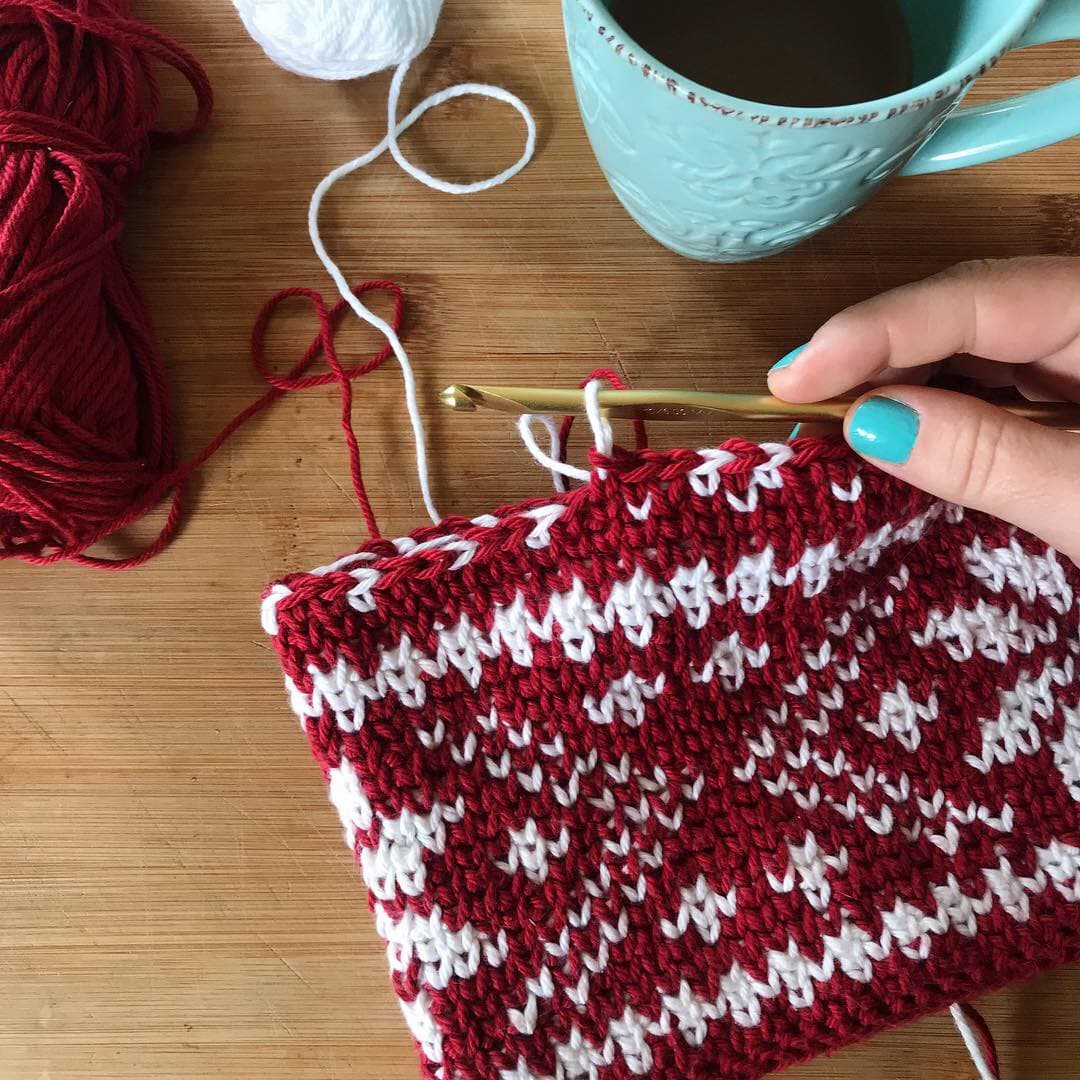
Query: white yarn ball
340	39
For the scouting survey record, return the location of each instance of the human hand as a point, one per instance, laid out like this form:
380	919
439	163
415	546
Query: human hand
1013	322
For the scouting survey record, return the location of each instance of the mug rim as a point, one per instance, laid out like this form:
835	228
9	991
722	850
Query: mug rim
948	83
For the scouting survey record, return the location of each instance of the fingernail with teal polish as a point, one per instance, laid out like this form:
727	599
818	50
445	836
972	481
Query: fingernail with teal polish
787	361
884	429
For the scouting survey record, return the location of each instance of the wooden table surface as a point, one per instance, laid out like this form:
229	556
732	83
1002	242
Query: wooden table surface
175	900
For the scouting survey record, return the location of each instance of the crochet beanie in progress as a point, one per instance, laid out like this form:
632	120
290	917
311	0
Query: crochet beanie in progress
719	762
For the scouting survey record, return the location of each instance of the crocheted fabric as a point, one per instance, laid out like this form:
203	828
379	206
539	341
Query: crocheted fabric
721	761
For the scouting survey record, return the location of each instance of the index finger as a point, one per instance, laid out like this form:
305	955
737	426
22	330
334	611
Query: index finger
1014	310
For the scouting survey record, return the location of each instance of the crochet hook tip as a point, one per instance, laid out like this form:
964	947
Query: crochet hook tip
457	397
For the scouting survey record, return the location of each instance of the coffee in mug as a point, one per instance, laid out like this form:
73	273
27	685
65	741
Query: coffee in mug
830	52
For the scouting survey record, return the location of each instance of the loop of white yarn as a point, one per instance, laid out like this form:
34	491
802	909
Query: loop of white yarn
344	39
340	39
447	187
394	129
603	439
549	461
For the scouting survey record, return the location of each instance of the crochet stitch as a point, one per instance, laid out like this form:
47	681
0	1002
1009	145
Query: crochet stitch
719	762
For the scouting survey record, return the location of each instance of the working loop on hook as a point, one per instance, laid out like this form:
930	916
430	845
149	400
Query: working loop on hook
603	440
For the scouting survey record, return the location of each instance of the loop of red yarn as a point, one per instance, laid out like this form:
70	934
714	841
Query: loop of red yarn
297	380
615	381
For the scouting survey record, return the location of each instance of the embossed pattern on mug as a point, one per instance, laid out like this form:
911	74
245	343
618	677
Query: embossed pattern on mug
718	179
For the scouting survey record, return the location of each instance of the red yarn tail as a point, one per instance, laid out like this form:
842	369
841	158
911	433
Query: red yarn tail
295	379
641	438
987	1045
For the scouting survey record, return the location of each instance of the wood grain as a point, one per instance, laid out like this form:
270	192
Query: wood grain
175	901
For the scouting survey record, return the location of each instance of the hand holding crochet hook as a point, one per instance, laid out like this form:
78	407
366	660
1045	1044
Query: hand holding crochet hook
1012	323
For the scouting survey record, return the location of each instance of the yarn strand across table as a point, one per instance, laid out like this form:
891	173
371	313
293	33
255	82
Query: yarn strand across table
396	128
348	39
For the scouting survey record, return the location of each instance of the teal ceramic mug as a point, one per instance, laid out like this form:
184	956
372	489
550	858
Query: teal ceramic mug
721	179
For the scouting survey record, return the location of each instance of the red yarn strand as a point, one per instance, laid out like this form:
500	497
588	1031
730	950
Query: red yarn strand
612	377
985	1036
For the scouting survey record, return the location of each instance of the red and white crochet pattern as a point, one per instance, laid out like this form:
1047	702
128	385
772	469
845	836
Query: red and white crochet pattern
721	761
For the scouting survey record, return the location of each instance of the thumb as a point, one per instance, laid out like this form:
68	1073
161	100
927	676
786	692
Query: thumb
972	453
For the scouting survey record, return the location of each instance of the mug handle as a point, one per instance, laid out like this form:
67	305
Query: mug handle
1001	129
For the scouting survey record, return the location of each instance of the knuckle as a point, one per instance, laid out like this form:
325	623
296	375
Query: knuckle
972	276
979	457
865	323
970	268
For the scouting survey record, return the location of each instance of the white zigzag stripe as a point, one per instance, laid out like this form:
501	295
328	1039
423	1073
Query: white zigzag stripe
853	953
396	864
986	630
704	480
1067	752
574	619
1030	575
1015	728
442	954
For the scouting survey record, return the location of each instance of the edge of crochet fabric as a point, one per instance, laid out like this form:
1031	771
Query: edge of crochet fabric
725	760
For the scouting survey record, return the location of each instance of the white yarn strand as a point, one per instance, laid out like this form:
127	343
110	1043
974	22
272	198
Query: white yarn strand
603	439
348	39
971	1041
394	129
555	440
549	461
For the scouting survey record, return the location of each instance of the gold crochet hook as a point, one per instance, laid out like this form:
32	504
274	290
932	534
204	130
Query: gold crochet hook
692	404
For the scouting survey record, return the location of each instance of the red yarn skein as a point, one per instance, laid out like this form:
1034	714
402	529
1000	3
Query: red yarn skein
86	431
